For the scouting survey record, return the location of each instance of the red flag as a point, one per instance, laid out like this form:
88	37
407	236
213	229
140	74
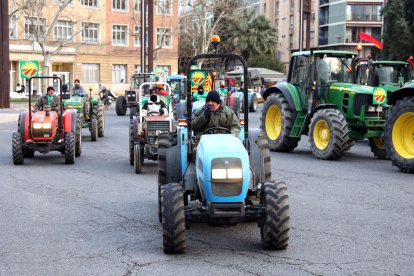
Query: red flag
367	37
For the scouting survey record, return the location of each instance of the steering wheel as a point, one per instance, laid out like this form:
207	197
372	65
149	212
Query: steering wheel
153	113
217	130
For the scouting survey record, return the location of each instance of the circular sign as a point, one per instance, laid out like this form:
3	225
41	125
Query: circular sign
379	96
198	78
159	72
29	69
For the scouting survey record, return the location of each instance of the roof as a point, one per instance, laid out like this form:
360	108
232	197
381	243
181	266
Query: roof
263	72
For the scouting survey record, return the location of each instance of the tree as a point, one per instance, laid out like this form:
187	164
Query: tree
252	35
398	33
266	61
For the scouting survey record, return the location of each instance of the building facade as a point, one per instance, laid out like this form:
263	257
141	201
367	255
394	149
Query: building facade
95	41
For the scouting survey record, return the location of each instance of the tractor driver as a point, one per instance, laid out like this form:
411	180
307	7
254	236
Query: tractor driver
49	99
154	106
78	90
215	114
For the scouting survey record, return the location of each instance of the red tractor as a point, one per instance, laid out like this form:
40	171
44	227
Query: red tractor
46	130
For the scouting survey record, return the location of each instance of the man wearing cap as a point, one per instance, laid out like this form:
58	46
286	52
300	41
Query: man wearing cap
49	99
215	114
154	106
200	94
78	90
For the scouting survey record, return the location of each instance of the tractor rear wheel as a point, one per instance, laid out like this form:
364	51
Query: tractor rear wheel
253	105
399	135
131	141
94	129
275	230
265	153
99	115
138	158
173	218
328	134
121	106
277	122
165	141
69	148
377	147
78	144
17	148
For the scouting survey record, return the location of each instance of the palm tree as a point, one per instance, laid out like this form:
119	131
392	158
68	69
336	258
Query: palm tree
252	35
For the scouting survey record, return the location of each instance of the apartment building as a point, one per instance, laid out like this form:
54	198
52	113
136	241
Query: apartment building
329	24
95	41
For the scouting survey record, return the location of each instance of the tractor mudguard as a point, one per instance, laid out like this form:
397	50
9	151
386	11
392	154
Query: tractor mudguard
24	125
94	101
407	91
322	106
289	92
256	163
69	120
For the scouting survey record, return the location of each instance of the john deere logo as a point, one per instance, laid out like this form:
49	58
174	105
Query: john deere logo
380	96
29	69
198	78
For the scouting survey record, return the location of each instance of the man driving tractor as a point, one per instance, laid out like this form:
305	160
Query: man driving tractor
49	99
154	106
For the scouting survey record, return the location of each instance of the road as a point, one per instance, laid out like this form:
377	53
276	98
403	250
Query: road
96	217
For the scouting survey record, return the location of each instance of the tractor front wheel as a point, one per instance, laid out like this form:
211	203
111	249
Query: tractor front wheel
17	148
138	158
275	229
377	147
94	129
99	115
328	134
131	141
78	144
69	148
253	105
173	218
399	135
277	122
121	106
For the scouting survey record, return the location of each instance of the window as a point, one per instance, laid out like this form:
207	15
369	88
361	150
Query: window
163	7
90	32
90	72
34	27
137	36
119	35
61	2
119	73
64	30
137	68
137	5
291	41
164	37
291	21
13	27
292	5
90	3
119	5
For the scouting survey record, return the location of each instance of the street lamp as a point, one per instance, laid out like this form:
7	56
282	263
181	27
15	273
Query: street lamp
359	48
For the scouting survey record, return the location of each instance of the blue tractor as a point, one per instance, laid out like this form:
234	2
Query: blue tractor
219	180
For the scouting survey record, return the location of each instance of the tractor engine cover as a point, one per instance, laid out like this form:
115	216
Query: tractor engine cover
44	125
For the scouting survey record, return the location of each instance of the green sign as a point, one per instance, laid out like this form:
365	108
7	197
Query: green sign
29	68
379	96
198	78
159	71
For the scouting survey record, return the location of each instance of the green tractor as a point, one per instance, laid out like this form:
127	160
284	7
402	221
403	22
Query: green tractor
94	120
322	100
399	129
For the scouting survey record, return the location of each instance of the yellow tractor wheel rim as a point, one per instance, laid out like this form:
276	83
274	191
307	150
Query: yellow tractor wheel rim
321	135
403	135
273	122
378	142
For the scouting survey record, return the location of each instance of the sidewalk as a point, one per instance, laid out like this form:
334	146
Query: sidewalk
12	114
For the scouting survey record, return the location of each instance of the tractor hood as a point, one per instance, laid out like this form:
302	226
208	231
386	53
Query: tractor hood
223	170
73	102
352	88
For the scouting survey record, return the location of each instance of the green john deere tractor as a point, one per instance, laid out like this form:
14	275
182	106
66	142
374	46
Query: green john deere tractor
322	100
94	120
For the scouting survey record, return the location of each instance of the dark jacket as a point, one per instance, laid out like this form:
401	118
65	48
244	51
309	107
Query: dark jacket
222	117
43	101
75	91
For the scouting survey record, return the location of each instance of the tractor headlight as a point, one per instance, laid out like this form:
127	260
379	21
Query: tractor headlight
371	108
234	173
37	125
151	133
219	174
47	125
379	109
42	125
226	169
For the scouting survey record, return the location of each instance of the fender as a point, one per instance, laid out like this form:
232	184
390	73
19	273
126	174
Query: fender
322	106
24	125
407	91
290	93
69	120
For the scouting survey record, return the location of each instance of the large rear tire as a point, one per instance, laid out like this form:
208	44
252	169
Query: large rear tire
165	141
275	230
173	218
328	134
399	133
277	122
99	115
17	148
377	148
121	106
69	148
94	129
138	158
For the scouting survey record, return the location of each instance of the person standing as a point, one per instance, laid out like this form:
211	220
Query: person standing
222	90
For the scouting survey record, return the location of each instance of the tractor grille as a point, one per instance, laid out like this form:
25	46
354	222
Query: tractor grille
154	126
359	101
131	96
45	134
226	188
